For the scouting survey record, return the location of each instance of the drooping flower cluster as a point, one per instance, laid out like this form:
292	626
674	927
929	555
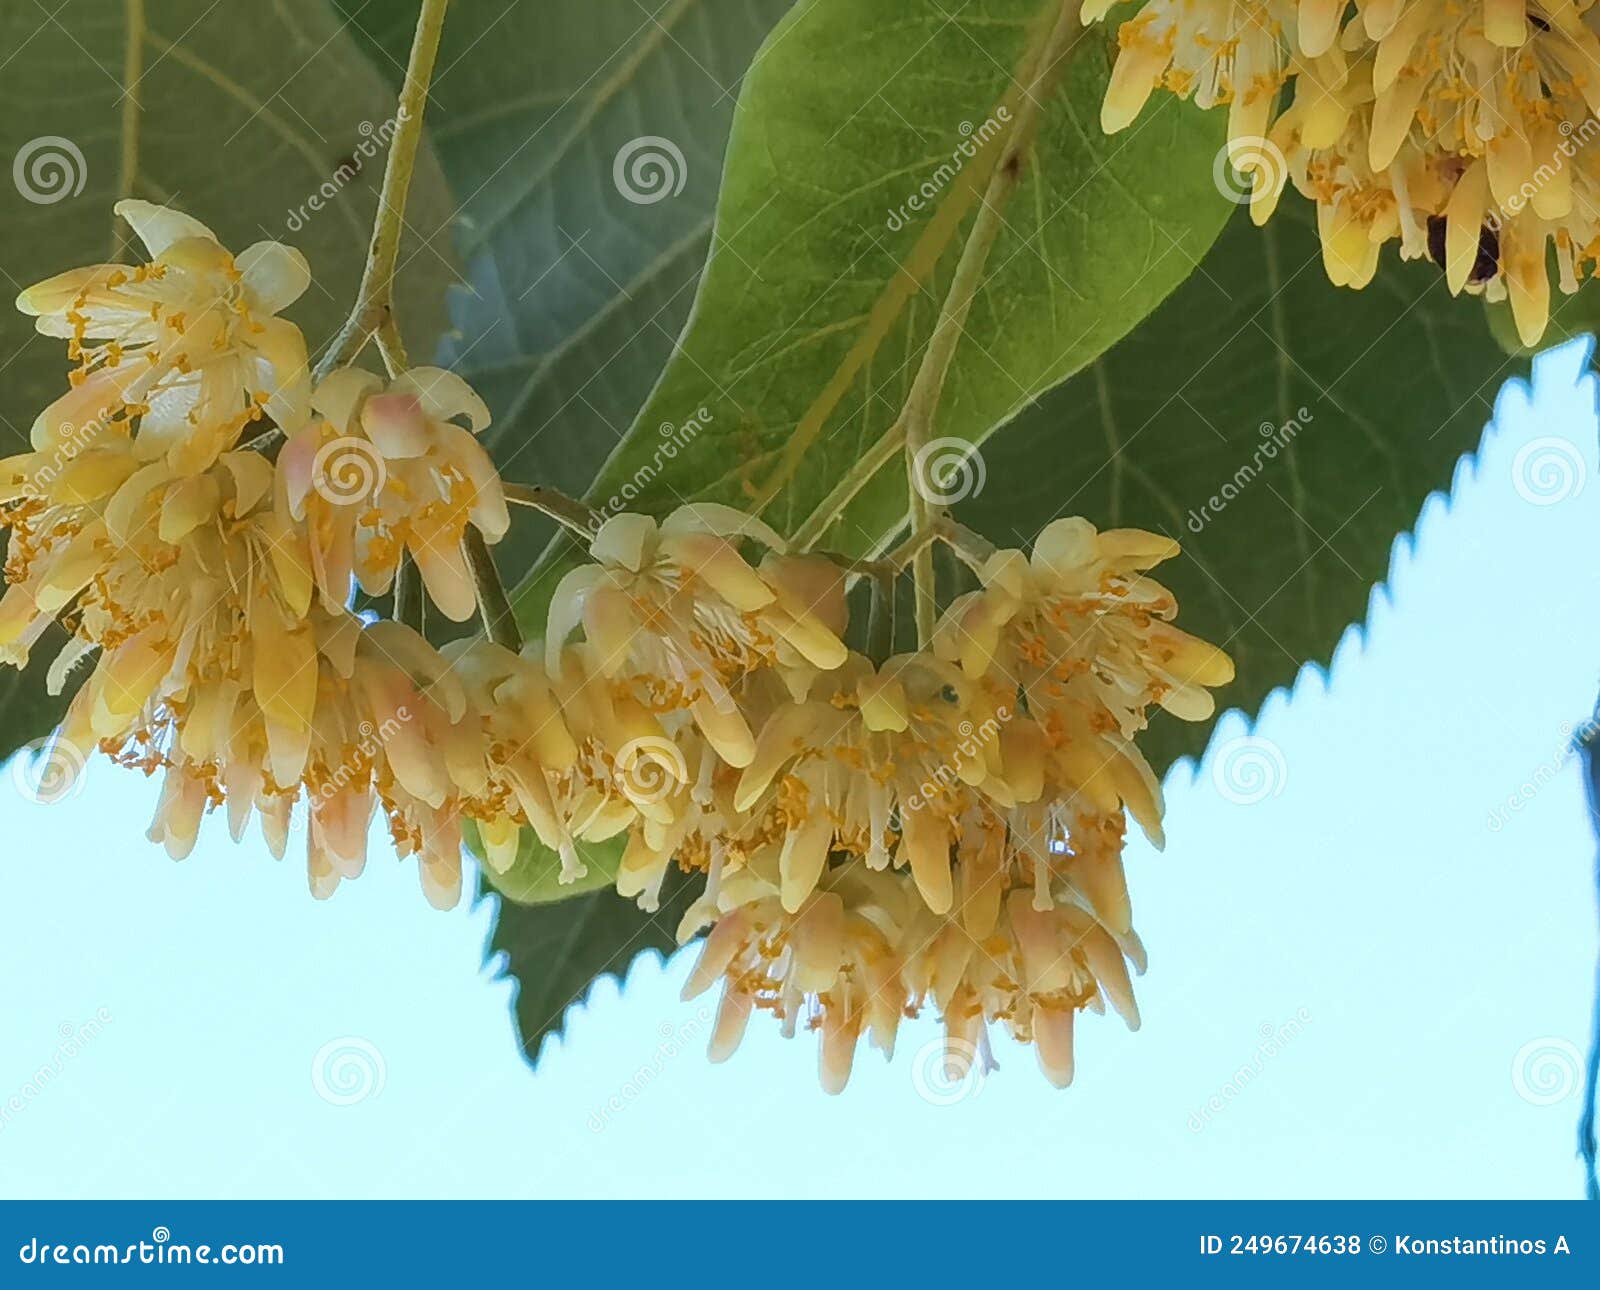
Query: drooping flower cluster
937	830
1460	128
208	584
945	830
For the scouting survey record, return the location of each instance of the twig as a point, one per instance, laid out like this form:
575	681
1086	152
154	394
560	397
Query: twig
373	312
498	620
922	574
907	550
132	74
922	403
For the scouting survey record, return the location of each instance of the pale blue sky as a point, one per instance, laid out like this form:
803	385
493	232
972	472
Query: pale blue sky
1419	952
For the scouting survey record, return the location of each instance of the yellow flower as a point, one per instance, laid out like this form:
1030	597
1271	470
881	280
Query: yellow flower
687	796
232	712
1080	628
529	751
188	346
429	758
387	469
627	769
178	581
835	961
1459	129
880	764
1235	52
686	791
1033	974
388	726
864	951
1077	638
677	607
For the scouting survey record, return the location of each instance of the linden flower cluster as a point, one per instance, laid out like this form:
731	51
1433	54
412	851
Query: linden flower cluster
940	829
943	830
1459	128
211	588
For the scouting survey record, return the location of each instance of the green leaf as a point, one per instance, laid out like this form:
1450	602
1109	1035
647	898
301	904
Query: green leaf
574	293
1283	429
848	197
555	952
243	123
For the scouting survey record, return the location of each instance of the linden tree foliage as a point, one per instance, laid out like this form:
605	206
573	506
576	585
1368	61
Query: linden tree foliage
1254	363
93	109
823	287
747	229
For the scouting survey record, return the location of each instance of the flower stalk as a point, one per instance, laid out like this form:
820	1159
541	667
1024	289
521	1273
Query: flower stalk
373	313
373	317
572	514
880	621
408	594
494	606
